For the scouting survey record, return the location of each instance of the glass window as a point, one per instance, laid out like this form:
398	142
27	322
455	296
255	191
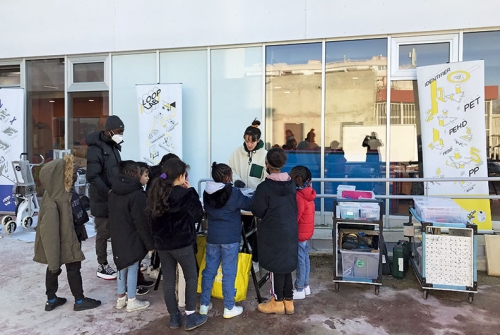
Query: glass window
486	46
88	72
236	98
190	69
128	71
45	105
10	75
293	105
87	113
355	113
413	55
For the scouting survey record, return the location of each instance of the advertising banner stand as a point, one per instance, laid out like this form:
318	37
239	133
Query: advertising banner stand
159	111
453	127
12	134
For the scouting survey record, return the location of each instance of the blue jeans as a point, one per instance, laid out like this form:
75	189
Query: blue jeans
228	254
303	267
127	280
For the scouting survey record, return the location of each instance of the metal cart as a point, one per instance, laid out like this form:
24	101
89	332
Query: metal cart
24	192
443	255
363	266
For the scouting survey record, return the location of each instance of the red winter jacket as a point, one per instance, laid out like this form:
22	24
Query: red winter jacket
305	206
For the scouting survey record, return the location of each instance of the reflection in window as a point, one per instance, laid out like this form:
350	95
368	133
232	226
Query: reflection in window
10	75
355	130
45	104
413	55
88	112
486	46
88	72
293	104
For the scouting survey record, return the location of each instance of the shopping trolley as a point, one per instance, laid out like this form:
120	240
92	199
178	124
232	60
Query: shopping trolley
24	192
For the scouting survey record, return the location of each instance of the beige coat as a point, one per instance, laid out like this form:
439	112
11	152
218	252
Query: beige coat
56	242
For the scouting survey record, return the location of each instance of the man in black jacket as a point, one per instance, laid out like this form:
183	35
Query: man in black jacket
103	159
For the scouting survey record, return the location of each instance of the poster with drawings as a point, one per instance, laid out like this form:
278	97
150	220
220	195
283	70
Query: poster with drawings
159	108
11	142
452	109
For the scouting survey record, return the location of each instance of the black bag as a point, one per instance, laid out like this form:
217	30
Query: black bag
352	241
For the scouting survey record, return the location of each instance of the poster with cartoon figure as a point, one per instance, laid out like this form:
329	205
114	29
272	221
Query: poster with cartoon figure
11	142
160	116
453	127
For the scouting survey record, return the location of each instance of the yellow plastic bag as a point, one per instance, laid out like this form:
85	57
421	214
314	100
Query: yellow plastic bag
201	246
240	283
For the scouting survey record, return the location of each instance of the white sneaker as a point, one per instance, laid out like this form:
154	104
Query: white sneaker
204	309
307	290
121	302
136	305
105	271
299	295
230	313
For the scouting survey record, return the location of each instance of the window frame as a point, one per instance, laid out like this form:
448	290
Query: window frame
411	74
90	86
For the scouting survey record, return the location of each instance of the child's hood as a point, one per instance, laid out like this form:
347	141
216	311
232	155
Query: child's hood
56	177
217	194
308	193
178	198
280	187
124	184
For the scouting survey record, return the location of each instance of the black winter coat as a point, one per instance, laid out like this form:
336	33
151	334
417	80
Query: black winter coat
103	159
176	228
128	222
277	233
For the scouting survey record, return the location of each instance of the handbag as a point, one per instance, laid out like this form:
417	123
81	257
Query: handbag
240	283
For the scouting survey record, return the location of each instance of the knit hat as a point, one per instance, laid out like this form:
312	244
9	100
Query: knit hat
114	122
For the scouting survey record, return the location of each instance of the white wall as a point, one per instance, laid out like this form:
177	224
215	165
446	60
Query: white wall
59	27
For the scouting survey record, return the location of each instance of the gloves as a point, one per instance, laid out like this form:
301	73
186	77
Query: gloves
239	184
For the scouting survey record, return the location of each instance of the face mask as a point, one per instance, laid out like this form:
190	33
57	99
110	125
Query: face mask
117	138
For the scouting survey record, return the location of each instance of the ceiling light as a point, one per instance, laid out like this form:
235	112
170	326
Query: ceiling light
91	100
355	78
53	87
287	92
277	87
51	101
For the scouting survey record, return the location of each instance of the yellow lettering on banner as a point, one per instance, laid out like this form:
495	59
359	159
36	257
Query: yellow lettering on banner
435	135
474	155
441	95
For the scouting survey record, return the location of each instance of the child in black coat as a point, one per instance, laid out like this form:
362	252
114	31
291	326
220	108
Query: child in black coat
130	233
275	203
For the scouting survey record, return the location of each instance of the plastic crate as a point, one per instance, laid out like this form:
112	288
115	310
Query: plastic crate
359	264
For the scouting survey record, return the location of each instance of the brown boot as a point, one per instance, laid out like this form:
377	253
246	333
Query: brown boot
272	306
289	309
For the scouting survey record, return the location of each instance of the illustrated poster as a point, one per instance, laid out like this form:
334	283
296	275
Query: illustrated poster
453	126
11	142
159	109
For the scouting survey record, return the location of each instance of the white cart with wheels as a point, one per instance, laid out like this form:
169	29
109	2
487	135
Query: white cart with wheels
24	194
444	255
362	266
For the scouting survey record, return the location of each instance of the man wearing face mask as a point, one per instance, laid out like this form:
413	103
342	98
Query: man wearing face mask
103	159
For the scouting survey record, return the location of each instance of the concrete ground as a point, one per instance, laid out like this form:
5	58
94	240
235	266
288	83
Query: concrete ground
355	309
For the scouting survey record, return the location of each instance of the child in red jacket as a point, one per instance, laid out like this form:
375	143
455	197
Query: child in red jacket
301	175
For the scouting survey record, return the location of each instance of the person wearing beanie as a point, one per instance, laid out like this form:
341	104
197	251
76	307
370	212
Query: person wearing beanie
103	160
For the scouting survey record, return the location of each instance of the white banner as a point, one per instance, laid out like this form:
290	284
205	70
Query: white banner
452	115
11	142
160	121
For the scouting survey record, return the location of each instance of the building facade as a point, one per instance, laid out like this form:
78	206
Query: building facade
324	71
